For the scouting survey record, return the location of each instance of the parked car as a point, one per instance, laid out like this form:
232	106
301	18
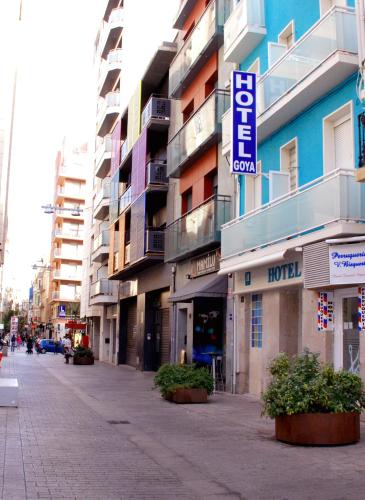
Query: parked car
48	345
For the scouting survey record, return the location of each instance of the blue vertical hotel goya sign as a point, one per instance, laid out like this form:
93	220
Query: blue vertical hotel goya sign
243	105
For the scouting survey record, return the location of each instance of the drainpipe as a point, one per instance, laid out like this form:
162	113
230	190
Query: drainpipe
360	24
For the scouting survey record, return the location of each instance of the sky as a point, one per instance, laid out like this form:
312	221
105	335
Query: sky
56	94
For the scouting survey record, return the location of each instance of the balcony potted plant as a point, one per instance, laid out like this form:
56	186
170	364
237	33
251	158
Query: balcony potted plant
83	356
184	383
312	403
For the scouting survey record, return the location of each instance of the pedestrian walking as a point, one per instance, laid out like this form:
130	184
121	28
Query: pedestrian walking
18	342
68	349
29	345
56	344
13	343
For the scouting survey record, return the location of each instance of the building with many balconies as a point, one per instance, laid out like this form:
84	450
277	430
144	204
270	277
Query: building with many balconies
296	249
138	216
67	237
203	188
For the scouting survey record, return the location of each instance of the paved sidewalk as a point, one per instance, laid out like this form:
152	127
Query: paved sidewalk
100	432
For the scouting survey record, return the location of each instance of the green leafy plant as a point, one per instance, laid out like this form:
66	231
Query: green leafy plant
172	377
83	352
303	385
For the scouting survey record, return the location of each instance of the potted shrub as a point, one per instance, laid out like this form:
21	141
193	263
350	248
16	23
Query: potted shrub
184	383
83	356
312	403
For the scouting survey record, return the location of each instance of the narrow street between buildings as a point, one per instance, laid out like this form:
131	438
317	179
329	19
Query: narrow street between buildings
99	432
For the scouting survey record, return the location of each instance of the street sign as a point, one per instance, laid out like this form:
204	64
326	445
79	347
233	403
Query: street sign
243	106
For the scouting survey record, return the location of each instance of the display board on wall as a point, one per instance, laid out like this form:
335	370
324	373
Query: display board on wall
361	309
347	264
325	311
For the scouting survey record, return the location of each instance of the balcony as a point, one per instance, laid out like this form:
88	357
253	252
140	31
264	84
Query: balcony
199	132
101	247
103	157
182	15
205	39
156	174
155	241
101	202
103	291
112	32
68	254
319	205
198	230
127	254
108	111
68	233
226	132
69	191
72	172
319	61
156	113
110	71
244	30
66	296
125	200
67	275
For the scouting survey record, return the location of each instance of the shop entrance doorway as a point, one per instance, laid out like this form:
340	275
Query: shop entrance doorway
346	338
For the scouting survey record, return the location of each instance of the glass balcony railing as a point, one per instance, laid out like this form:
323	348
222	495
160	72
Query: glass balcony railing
109	71
68	191
156	173
107	106
101	241
244	29
66	295
104	148
68	232
125	200
111	31
336	31
66	274
157	108
101	287
103	194
206	37
72	172
198	229
332	198
198	131
65	253
124	151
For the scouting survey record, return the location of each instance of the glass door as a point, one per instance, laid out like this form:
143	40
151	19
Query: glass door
350	335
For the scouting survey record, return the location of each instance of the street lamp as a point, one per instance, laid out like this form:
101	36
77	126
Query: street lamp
76	211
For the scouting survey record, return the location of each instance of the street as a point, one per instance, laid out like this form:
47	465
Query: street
101	432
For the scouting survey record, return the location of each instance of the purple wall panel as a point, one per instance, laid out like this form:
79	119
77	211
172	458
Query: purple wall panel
139	165
138	226
115	160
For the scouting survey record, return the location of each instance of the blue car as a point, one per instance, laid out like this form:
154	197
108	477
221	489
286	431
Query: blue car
48	345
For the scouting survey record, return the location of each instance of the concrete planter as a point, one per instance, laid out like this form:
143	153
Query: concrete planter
187	396
77	360
318	429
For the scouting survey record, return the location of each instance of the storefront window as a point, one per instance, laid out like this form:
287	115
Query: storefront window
256	320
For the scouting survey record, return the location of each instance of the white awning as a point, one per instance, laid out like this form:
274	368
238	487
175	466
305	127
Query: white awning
241	263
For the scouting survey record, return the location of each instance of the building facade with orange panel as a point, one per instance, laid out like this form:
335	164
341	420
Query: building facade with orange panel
203	187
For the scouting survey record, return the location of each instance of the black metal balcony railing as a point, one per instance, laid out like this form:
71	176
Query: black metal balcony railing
198	229
157	108
155	240
156	173
201	130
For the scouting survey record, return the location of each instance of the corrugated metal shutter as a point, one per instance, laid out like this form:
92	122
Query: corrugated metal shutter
293	170
132	334
165	336
343	146
316	265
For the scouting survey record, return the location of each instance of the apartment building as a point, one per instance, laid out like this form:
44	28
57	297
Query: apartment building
138	217
296	249
39	304
67	237
202	187
100	296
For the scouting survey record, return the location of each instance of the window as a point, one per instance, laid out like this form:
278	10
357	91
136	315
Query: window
255	67
253	195
211	184
289	162
286	37
325	5
211	84
338	139
256	320
187	201
188	111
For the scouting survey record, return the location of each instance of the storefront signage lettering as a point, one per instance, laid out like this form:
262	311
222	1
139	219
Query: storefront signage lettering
347	264
243	106
283	272
205	264
361	309
325	311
